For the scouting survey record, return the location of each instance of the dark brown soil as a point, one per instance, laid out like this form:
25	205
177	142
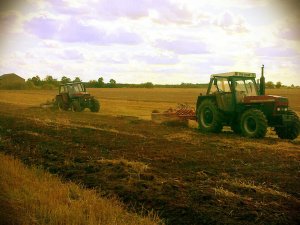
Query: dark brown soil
192	178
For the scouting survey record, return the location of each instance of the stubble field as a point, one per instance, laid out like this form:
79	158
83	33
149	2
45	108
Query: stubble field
185	176
133	101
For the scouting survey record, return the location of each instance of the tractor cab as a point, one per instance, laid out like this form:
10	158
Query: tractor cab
231	89
72	88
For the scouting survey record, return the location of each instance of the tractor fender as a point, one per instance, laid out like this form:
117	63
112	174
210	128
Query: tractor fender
201	98
244	107
58	97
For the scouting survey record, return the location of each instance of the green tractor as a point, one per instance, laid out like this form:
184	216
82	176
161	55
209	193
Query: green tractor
234	99
74	96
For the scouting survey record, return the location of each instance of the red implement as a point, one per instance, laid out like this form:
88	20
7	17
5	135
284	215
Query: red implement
183	112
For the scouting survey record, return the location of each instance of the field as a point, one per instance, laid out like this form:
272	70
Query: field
185	176
133	101
33	196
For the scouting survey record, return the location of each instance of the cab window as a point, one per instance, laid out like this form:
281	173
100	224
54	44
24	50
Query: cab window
220	85
245	86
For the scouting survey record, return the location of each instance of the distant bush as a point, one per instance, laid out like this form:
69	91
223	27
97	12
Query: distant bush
148	85
48	87
30	85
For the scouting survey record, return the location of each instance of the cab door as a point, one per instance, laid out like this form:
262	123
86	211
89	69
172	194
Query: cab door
224	95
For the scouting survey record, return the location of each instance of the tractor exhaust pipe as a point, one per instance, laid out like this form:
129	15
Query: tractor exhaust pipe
262	83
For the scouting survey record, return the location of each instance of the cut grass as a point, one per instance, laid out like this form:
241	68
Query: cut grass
32	196
138	167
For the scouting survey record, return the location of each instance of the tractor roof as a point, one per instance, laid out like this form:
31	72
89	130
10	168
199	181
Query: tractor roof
234	74
70	83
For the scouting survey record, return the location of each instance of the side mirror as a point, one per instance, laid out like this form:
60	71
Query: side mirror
215	82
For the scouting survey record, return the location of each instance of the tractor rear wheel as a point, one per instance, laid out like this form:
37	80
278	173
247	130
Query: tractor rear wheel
95	107
76	107
209	117
254	123
292	131
61	105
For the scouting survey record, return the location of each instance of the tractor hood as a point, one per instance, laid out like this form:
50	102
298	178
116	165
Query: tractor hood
278	100
81	94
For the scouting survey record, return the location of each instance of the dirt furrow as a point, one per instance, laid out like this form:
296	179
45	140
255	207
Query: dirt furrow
185	176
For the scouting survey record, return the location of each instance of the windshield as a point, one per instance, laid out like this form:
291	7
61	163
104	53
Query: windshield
220	85
72	88
78	88
247	86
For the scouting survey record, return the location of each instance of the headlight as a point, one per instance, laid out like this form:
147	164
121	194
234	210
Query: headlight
278	109
285	109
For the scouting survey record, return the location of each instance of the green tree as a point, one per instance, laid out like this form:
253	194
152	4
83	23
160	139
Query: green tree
100	82
148	85
49	83
30	85
112	83
77	79
65	79
278	84
270	84
36	80
92	84
50	80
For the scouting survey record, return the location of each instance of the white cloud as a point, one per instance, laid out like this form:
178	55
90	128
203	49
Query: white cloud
73	30
183	46
166	41
231	23
157	59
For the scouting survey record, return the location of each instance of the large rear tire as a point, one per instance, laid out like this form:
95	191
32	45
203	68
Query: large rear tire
95	107
76	107
61	105
254	123
209	117
291	131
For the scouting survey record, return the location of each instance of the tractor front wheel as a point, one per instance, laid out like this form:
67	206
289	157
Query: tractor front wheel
209	117
76	107
291	131
95	106
254	123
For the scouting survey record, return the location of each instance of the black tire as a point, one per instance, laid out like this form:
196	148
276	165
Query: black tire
95	107
290	132
209	117
75	106
254	123
61	105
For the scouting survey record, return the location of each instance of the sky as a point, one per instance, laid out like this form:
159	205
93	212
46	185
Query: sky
159	41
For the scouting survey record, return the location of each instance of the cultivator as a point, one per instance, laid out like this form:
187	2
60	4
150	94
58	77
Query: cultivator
182	113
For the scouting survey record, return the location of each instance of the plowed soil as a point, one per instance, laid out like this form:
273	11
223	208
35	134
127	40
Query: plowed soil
185	176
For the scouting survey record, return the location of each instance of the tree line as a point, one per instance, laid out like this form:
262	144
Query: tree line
51	83
278	84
